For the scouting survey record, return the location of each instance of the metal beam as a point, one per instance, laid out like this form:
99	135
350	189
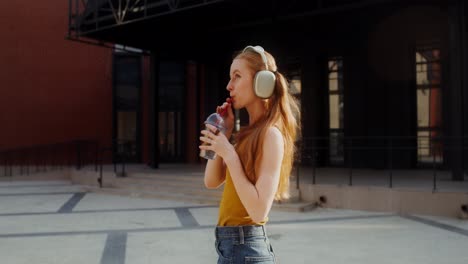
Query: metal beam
109	46
119	17
320	9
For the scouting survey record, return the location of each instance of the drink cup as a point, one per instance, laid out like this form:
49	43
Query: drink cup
217	121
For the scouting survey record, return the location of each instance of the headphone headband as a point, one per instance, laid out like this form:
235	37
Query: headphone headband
259	50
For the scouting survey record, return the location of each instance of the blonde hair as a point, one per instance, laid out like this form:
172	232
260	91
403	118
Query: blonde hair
282	111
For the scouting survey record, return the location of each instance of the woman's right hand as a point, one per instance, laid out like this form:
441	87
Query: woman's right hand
225	110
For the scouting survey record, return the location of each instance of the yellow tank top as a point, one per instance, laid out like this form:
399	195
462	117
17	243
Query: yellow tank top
231	210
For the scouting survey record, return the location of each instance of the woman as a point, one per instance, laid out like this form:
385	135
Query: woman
256	169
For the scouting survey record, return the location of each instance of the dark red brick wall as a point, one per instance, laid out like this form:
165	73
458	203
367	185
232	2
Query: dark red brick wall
51	89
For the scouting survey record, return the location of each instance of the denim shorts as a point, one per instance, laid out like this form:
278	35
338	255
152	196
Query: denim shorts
243	244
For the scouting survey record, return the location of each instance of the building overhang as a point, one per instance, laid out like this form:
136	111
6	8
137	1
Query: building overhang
185	26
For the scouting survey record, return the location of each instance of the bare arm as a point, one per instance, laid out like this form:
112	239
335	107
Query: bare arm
215	173
215	170
258	198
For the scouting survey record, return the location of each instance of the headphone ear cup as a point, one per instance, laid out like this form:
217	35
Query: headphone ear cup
264	84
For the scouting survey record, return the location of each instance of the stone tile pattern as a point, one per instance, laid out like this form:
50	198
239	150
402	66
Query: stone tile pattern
56	222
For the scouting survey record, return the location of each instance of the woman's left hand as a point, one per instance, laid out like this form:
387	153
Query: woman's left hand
216	142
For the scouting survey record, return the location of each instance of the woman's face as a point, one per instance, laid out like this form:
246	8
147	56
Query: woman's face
240	84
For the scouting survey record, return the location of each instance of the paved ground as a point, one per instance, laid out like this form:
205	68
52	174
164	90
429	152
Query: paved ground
55	222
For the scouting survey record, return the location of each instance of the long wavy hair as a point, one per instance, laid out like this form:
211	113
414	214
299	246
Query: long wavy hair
281	111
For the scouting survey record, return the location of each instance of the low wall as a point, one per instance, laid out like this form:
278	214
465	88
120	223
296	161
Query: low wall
51	175
397	200
90	178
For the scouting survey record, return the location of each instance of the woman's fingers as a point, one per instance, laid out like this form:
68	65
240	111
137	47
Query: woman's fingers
212	129
208	136
205	139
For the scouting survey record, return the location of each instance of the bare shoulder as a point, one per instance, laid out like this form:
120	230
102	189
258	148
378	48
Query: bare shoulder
273	133
273	151
274	137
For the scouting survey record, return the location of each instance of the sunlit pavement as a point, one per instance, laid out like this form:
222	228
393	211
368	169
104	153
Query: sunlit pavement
56	222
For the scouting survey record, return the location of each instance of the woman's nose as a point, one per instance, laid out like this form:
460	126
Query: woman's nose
229	86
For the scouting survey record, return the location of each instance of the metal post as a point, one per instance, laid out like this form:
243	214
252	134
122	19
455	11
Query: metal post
100	174
434	184
68	157
20	163
115	156
27	164
55	158
37	160
390	162
45	158
297	177
78	155
350	162
11	167
123	158
313	164
297	168
97	157
59	157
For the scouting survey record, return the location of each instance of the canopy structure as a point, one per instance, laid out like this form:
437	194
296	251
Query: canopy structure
185	25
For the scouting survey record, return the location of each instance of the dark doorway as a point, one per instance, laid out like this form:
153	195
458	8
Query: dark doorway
126	109
171	109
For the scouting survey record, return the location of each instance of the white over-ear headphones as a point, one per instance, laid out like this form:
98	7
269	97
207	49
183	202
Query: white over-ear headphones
264	80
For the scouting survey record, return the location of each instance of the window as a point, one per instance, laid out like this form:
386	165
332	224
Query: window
336	113
429	105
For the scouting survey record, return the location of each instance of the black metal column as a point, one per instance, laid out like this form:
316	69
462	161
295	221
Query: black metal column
154	110
313	98
456	83
464	29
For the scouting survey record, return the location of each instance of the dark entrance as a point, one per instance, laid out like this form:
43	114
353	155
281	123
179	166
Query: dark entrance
126	108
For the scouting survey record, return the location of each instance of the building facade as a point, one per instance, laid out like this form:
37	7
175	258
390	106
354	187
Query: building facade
382	84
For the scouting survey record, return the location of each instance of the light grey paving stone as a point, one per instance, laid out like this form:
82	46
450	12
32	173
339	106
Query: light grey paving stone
87	222
455	222
52	250
157	236
94	201
319	213
205	216
32	204
183	246
392	240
